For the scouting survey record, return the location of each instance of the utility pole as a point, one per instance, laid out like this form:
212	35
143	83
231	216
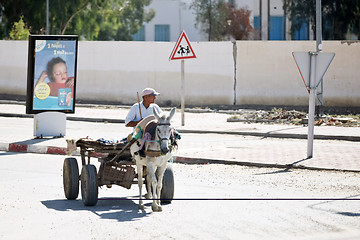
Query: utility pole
260	18
319	49
268	19
47	17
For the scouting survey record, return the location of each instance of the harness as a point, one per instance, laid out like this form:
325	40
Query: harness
150	135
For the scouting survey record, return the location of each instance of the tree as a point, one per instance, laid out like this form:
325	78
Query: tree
19	31
338	16
220	20
113	19
211	16
239	26
92	19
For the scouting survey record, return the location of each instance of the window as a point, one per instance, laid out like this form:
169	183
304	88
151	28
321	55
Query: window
140	35
256	22
301	29
276	28
162	32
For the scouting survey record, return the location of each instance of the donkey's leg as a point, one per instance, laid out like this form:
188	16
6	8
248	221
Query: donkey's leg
148	195
140	183
160	176
151	171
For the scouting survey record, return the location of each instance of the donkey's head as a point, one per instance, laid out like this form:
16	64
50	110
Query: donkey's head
163	130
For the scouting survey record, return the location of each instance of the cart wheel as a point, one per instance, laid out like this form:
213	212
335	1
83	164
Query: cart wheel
71	178
89	187
167	191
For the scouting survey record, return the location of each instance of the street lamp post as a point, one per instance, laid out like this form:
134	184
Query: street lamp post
47	17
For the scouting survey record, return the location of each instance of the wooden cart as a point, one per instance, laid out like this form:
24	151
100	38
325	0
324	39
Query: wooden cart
116	168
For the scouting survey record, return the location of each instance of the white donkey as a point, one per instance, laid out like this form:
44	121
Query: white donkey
157	155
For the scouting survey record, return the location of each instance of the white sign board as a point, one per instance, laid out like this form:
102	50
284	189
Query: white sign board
302	60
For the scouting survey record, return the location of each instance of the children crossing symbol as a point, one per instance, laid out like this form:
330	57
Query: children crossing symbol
182	48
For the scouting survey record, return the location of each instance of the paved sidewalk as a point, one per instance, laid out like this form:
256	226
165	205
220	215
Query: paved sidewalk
207	137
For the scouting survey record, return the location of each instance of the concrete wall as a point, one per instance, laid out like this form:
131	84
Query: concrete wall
265	72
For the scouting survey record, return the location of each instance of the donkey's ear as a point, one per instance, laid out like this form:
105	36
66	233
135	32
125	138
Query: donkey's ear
156	114
172	112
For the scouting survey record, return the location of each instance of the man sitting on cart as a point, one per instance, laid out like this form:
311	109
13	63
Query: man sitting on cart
142	109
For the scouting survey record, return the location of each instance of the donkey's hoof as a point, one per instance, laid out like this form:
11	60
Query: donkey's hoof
141	206
156	208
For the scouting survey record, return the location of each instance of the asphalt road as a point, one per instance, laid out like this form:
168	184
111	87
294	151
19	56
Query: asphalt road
211	202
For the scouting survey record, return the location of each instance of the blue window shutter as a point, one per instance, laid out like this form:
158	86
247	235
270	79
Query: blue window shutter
303	32
276	28
162	32
256	22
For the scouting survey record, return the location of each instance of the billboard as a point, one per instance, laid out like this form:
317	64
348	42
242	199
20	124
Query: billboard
51	77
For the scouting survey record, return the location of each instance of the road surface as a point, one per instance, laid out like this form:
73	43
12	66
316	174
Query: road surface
211	202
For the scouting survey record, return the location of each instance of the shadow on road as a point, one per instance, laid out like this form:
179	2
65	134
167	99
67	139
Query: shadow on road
330	207
287	168
120	209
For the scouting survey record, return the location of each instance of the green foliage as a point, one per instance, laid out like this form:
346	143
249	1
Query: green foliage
211	18
112	19
339	15
19	30
91	19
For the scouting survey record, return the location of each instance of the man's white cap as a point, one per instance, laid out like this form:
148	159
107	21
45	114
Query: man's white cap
149	91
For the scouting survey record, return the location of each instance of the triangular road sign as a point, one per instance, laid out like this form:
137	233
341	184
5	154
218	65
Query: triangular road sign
302	60
323	61
182	49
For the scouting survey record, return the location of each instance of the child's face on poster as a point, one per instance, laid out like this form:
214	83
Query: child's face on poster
60	73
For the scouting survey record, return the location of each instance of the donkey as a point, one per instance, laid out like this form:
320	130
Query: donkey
157	155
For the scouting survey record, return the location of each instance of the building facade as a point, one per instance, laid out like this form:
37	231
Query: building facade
268	19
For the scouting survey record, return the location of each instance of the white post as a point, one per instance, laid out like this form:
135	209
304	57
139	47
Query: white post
312	99
182	94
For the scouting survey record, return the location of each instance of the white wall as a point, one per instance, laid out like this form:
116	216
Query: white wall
13	67
265	73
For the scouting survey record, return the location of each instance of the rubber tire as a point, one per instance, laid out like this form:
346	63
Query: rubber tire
71	178
167	191
89	187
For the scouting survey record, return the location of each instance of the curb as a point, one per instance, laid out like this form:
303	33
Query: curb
254	134
204	161
275	135
29	148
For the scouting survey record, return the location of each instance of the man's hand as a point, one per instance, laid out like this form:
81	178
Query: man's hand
132	123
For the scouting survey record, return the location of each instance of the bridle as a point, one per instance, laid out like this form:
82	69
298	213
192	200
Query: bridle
157	133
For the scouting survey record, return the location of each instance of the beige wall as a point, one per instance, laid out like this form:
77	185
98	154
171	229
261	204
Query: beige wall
265	72
115	71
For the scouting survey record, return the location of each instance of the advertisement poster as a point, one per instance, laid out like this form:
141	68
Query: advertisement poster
52	74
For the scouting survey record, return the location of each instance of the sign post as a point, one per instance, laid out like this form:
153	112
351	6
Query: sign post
312	67
182	50
182	92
